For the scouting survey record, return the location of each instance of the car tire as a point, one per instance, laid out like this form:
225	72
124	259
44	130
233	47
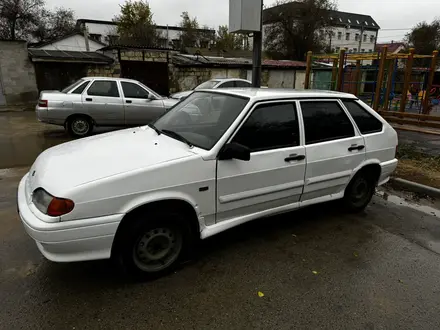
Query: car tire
153	245
359	192
79	126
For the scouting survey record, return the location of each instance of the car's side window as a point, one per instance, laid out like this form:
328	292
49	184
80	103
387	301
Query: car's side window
80	88
366	122
104	88
242	84
134	91
227	84
325	121
270	126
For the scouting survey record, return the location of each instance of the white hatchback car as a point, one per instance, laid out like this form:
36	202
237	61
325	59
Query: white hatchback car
144	195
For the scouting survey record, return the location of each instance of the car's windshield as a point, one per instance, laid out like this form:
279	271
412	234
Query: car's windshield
207	84
202	118
70	87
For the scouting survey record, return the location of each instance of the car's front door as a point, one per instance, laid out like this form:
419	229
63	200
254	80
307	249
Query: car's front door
103	102
140	107
334	148
274	176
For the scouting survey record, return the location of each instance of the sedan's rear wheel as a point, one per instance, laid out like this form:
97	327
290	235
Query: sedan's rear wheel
359	191
79	126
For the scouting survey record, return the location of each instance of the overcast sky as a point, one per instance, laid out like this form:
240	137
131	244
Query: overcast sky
389	14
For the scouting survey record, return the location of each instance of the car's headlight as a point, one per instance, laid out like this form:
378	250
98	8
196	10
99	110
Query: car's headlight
50	205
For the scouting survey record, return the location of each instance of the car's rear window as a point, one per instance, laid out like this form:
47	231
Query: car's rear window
365	121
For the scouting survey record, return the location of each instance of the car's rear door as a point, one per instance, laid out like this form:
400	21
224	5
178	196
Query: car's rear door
274	175
139	108
103	102
334	148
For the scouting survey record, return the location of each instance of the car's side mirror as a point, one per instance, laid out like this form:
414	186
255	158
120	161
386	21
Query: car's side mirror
235	150
151	97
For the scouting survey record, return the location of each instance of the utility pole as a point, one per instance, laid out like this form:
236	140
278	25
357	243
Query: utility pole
86	37
360	39
257	49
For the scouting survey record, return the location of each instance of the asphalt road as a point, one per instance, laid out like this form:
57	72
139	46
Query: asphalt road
318	268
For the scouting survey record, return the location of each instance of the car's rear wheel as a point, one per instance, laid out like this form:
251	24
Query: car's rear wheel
359	191
152	245
79	126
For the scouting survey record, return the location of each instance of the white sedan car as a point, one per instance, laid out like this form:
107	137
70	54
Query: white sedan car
214	84
144	195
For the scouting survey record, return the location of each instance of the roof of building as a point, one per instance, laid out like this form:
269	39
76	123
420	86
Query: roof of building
337	17
212	61
133	45
41	55
279	93
42	44
176	28
392	47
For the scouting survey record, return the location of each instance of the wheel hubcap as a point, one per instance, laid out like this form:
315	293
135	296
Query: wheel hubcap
80	126
157	249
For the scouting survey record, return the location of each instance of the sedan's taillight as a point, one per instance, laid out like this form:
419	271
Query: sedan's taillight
43	103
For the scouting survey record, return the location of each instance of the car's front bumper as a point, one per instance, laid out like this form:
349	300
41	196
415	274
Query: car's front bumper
77	240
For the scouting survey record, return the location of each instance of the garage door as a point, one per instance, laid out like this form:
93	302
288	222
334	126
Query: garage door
152	74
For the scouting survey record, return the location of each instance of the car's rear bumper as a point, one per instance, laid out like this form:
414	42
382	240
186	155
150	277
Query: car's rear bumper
387	169
77	240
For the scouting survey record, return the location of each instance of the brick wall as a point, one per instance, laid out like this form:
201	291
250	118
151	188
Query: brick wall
17	74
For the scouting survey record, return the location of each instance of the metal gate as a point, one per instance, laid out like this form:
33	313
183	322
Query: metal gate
152	74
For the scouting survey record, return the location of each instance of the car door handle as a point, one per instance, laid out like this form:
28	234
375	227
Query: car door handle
89	99
128	101
294	157
355	147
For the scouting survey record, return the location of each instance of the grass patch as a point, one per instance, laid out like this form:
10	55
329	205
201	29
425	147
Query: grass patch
418	167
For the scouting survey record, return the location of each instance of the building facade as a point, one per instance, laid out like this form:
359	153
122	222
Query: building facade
106	32
356	33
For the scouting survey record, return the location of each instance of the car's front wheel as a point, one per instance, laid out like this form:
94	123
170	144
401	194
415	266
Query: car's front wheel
79	126
360	191
153	245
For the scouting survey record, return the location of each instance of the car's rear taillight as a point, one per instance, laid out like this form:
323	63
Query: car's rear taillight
43	103
60	206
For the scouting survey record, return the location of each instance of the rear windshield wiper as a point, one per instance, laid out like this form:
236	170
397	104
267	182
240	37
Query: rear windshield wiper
155	128
177	136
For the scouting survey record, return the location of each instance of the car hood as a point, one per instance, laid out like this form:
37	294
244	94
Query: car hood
180	95
76	163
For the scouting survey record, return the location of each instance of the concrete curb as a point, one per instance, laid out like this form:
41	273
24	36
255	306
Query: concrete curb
415	187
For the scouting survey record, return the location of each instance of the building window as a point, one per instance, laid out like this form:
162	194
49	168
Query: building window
112	39
347	36
338	49
366	23
372	37
357	21
363	50
339	35
365	38
95	37
356	37
355	50
370	50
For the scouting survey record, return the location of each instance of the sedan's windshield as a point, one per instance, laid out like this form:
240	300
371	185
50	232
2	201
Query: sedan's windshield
202	118
70	87
207	84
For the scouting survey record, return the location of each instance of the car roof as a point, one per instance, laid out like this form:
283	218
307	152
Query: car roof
280	93
229	79
110	78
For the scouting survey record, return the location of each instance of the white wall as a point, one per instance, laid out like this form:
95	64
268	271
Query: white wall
73	43
103	29
351	44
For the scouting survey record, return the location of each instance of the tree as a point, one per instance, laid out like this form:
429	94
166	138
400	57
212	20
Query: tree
424	37
229	41
190	36
292	27
135	24
18	18
54	25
